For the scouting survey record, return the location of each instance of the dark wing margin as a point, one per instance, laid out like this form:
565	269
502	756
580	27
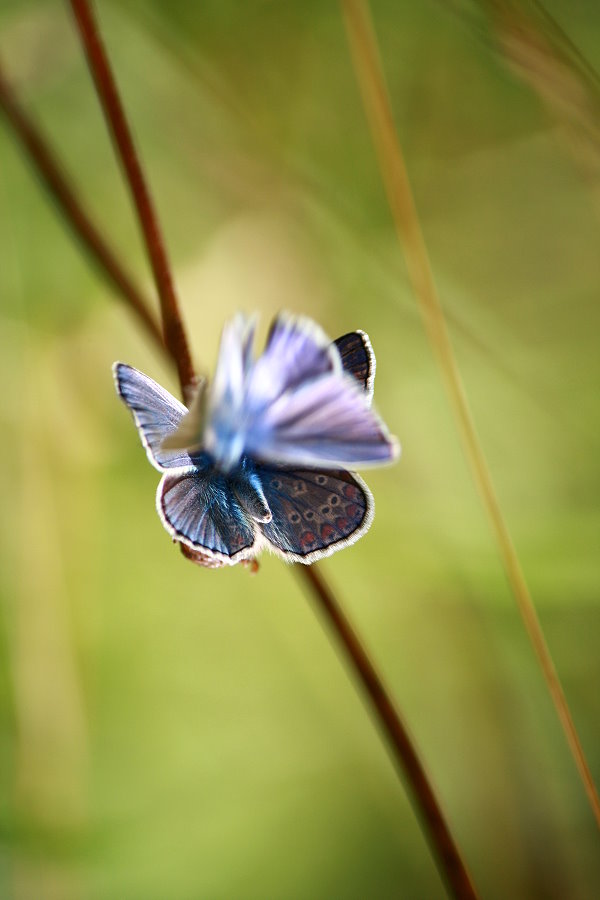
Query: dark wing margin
315	512
358	358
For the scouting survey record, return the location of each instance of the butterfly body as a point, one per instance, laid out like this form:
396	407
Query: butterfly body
259	459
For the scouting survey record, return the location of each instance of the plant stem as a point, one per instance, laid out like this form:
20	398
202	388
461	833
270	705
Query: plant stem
401	747
403	750
369	72
114	114
52	177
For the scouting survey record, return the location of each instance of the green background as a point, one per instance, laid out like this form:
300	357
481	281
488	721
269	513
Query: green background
170	732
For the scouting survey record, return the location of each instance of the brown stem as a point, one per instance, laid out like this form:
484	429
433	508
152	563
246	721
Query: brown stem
401	747
175	337
52	177
369	72
403	750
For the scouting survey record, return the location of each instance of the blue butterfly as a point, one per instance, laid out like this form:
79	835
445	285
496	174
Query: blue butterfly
260	459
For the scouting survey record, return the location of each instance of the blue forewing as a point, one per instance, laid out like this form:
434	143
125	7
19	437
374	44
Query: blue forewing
157	414
296	405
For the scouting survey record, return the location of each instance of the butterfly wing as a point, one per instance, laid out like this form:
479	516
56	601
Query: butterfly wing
358	358
233	363
303	408
201	511
243	392
156	414
296	350
314	513
326	422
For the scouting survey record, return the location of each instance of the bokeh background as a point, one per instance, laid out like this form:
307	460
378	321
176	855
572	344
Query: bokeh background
172	732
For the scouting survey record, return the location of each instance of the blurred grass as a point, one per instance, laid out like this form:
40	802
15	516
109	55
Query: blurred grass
224	752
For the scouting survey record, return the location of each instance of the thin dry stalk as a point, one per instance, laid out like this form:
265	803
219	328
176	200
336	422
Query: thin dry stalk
51	174
443	846
114	114
369	72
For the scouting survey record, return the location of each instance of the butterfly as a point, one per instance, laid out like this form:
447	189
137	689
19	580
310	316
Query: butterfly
261	457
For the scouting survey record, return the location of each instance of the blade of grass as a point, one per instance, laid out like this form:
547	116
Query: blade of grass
116	121
52	176
432	819
369	73
542	55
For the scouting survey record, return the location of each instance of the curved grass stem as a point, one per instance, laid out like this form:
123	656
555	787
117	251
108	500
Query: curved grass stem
118	126
369	72
401	746
52	176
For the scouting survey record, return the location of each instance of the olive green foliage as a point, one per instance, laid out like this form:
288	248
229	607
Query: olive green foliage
171	732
